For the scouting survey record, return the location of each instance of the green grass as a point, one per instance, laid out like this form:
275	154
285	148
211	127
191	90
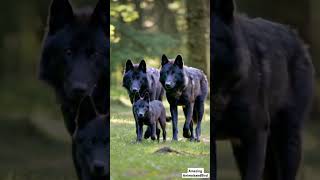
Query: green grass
138	160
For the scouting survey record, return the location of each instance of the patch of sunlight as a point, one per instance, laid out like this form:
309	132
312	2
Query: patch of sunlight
121	121
125	100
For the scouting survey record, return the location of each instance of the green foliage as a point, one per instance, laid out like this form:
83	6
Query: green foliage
130	42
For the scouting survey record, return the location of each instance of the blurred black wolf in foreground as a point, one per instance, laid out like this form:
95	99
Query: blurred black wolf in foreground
187	87
91	143
262	79
75	59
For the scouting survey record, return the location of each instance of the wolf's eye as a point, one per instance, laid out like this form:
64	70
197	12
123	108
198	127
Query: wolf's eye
68	52
93	53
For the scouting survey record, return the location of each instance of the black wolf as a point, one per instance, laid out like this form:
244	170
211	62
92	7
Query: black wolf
75	57
262	87
150	113
90	143
138	79
188	87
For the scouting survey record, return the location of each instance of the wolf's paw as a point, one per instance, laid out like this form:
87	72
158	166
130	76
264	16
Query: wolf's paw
175	138
186	133
147	134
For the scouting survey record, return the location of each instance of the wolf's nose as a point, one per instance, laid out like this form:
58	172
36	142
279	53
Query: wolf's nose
168	85
135	90
79	88
99	168
140	115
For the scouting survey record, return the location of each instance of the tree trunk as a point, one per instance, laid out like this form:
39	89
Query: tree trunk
166	19
139	22
198	34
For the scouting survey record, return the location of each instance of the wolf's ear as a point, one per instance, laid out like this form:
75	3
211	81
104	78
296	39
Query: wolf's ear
143	66
178	61
224	9
146	96
164	60
129	65
86	112
99	16
61	14
136	97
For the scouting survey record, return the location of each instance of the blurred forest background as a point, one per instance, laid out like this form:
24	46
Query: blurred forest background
146	29
33	140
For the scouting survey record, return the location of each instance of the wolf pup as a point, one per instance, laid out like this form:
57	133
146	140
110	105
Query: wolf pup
75	57
188	87
150	113
90	143
262	79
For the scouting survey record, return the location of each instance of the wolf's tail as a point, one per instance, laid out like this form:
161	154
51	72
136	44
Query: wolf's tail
168	118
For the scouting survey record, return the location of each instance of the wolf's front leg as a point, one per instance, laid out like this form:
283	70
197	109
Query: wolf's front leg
255	147
153	130
188	112
174	114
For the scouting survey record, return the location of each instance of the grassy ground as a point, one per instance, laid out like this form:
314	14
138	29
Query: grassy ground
138	160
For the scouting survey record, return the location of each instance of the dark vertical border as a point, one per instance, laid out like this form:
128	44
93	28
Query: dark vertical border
107	15
213	157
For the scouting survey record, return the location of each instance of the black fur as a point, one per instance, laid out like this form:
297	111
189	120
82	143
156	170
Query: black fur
75	57
150	113
187	87
262	87
91	144
140	79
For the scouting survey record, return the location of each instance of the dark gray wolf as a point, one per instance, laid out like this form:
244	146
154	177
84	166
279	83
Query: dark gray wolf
262	86
140	79
75	57
91	143
152	114
187	87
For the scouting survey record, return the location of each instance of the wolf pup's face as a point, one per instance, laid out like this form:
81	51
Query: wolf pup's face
172	73
135	78
92	147
141	107
75	49
225	65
